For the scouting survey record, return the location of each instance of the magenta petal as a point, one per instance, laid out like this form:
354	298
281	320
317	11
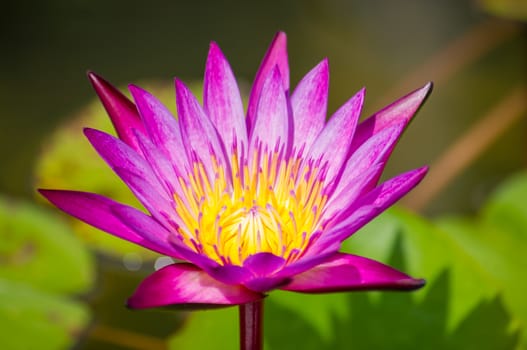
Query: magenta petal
99	211
316	254
157	204
222	101
187	285
199	134
144	225
230	274
121	110
401	111
369	206
265	284
374	151
276	56
162	127
164	169
263	264
119	155
309	104
360	185
333	142
345	272
200	260
272	125
134	171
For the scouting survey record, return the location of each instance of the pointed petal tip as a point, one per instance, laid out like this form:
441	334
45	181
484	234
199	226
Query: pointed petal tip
90	132
136	91
214	52
214	47
46	193
91	74
49	194
99	83
280	37
421	172
93	77
179	84
426	90
361	94
410	283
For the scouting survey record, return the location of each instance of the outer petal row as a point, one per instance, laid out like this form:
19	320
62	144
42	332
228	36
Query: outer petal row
345	272
188	285
121	110
400	111
107	215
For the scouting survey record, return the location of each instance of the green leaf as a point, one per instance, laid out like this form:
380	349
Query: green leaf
391	320
428	252
31	319
499	253
38	249
39	258
507	207
211	329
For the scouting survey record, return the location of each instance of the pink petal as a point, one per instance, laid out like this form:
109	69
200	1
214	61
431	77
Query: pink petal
222	101
121	110
133	170
263	264
401	111
312	257
333	142
309	104
162	127
375	150
160	163
229	274
188	286
345	272
369	206
272	125
199	135
266	284
360	185
276	56
100	212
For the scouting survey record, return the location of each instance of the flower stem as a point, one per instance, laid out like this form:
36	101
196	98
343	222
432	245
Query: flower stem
251	325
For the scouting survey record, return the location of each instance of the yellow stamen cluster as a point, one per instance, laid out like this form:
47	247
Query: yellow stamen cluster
270	204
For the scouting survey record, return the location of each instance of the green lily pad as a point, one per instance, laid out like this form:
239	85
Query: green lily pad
428	252
507	208
40	260
210	329
31	319
39	249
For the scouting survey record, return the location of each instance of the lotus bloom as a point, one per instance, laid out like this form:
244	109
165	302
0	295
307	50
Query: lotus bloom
248	202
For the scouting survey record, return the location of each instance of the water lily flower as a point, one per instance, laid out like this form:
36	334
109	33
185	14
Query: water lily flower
248	202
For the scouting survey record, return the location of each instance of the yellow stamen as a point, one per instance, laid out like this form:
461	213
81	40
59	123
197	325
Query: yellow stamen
270	205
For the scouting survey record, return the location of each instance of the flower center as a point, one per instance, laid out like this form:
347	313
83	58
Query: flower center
268	204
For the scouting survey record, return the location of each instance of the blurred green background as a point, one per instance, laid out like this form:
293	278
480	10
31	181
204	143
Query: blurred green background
62	290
